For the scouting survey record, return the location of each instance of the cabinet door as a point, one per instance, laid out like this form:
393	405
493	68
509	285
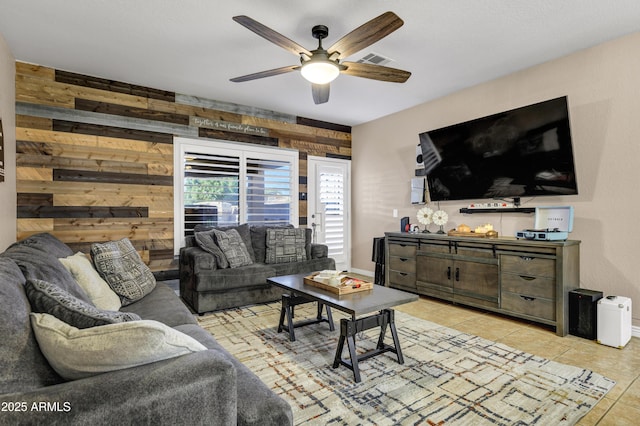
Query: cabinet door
435	270
476	279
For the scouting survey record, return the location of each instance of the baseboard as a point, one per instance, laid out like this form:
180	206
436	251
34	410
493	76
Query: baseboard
635	331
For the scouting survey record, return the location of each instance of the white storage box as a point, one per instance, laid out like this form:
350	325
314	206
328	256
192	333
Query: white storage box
614	321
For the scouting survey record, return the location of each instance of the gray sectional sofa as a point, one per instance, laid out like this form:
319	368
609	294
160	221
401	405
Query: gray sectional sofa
206	285
208	386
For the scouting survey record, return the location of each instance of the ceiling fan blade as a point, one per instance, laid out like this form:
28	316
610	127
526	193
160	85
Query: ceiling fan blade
375	72
367	34
320	93
271	35
268	73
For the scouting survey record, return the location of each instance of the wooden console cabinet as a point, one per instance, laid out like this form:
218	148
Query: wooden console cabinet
520	278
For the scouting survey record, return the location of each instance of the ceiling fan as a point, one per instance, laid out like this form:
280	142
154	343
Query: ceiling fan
321	66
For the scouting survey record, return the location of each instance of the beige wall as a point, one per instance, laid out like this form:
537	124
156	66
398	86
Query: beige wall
603	88
8	116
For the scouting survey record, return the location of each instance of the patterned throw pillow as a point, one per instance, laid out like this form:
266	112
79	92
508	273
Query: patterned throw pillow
286	245
51	299
206	242
233	247
120	265
75	353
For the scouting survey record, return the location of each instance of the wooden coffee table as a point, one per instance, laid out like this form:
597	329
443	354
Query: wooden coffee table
378	301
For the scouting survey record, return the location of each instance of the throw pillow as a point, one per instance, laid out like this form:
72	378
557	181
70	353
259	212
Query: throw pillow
120	265
286	245
51	299
91	282
233	247
259	239
206	242
76	353
244	231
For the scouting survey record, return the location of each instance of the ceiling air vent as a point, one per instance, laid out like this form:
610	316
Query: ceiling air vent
375	59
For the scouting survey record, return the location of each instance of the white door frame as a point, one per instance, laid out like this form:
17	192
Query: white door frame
312	164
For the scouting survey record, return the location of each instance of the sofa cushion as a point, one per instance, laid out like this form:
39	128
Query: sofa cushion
44	243
76	353
259	239
37	256
120	265
257	404
307	266
163	305
91	282
243	230
285	245
222	280
24	368
48	298
233	247
206	241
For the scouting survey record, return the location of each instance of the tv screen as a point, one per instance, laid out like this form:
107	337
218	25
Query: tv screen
518	153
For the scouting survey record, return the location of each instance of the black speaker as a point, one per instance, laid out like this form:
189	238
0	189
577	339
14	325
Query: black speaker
583	313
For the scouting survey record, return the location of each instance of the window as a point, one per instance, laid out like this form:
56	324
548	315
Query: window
221	184
331	194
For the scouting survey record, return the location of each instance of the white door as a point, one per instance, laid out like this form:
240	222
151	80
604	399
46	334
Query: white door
328	205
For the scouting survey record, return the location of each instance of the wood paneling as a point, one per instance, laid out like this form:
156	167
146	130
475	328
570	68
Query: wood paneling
115	132
94	157
127	111
237	137
113	86
110	177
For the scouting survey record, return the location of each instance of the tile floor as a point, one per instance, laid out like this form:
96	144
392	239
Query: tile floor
621	406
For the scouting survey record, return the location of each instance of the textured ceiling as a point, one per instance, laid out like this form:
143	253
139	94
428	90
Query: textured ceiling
193	47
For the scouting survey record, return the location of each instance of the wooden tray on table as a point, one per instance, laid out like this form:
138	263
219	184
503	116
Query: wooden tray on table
348	284
454	233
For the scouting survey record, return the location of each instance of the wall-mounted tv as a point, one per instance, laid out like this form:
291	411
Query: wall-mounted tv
518	153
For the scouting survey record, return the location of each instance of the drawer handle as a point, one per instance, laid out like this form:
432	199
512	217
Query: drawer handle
526	258
527	278
403	274
402	259
528	299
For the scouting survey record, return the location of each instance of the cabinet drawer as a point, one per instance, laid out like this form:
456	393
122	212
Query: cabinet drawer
531	306
402	250
474	252
402	264
402	279
528	265
529	285
435	248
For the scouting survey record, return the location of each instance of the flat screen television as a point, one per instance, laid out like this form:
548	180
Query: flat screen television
518	153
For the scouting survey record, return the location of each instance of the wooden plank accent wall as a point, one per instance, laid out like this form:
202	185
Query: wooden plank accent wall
94	157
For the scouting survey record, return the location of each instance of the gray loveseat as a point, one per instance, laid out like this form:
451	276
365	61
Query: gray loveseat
206	286
209	386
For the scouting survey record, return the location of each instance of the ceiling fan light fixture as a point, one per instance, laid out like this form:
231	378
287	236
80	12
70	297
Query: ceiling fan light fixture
320	72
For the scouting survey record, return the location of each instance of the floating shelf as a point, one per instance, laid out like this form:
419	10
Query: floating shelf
499	210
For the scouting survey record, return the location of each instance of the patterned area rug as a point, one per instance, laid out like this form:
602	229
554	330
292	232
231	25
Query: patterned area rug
448	377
